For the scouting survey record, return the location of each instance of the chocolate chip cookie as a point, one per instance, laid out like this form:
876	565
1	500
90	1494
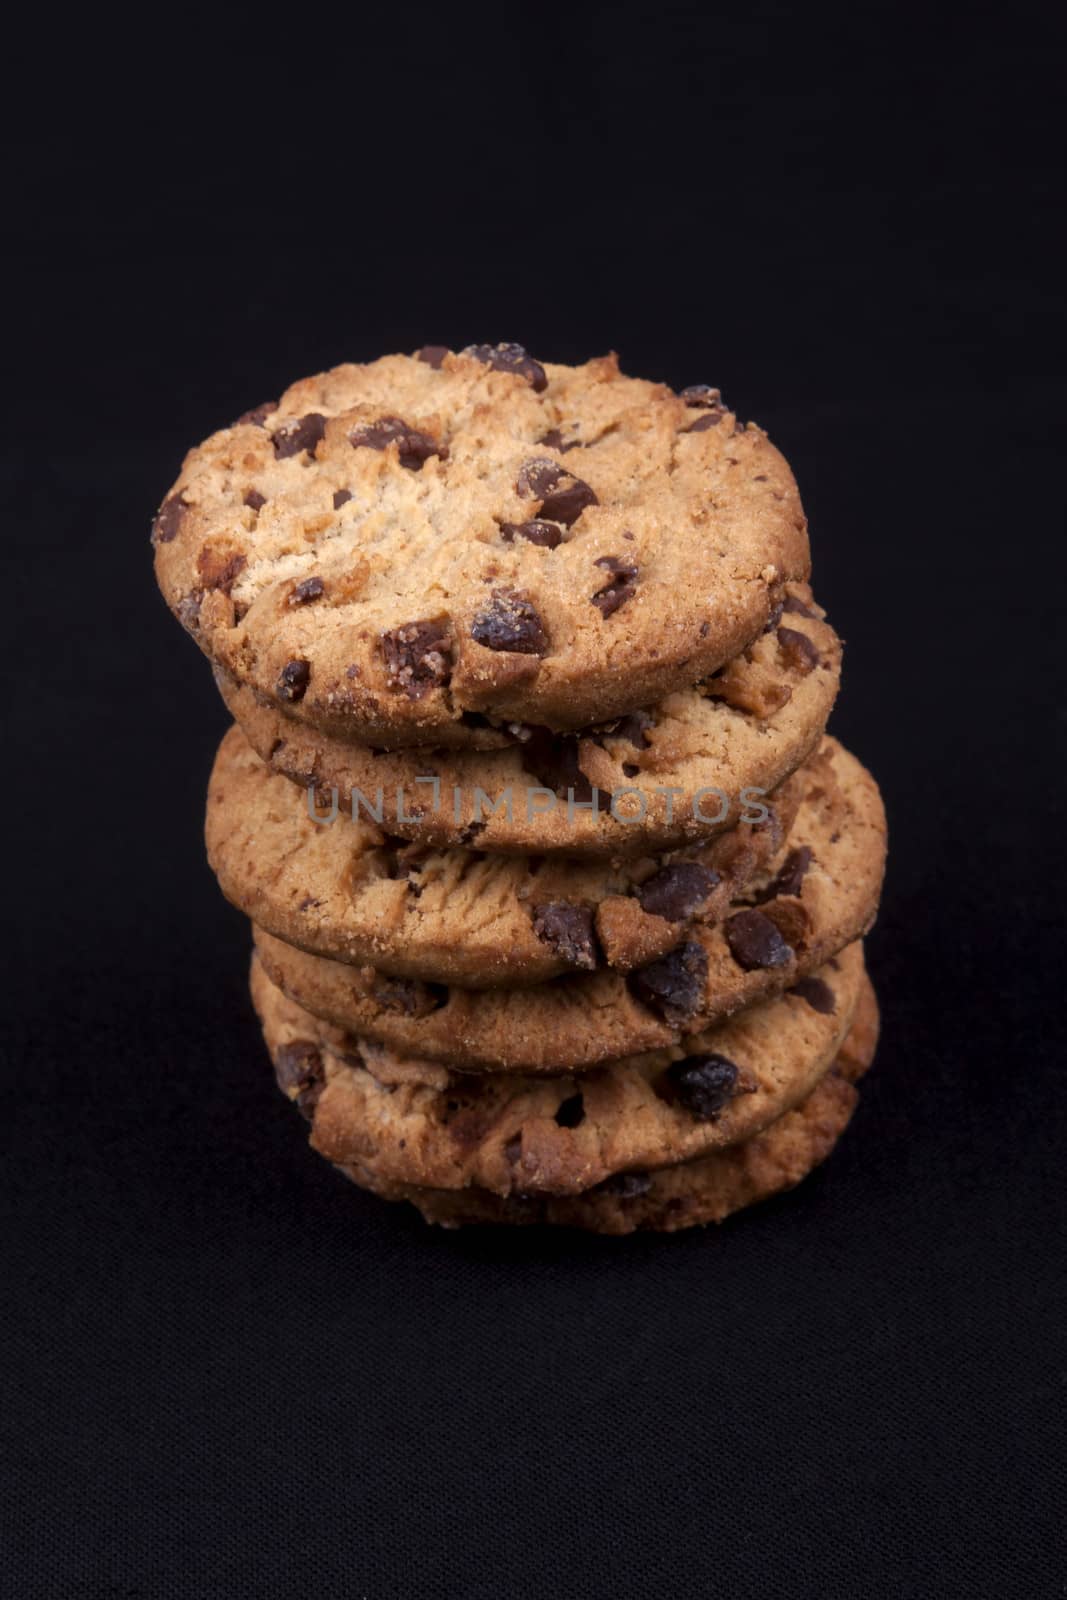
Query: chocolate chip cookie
654	780
410	1121
425	549
818	895
703	1189
350	891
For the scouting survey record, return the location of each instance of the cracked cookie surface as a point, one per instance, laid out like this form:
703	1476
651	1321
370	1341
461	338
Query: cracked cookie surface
349	891
690	1193
818	895
420	551
659	779
410	1121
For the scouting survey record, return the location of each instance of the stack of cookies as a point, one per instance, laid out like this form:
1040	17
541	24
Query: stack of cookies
557	884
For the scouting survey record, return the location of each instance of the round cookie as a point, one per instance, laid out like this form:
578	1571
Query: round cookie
817	896
659	779
406	1121
348	891
690	1193
412	551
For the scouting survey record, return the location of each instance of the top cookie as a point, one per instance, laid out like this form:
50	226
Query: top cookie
424	549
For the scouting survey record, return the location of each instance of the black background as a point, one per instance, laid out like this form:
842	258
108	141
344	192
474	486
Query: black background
229	1374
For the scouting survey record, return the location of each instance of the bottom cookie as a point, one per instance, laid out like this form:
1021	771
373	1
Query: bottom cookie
707	1189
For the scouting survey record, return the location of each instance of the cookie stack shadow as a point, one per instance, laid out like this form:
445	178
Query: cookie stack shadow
558	885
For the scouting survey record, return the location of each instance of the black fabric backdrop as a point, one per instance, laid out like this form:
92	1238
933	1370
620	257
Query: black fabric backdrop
226	1372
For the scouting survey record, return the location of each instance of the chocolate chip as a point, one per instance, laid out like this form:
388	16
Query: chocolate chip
432	355
702	394
704	1085
817	993
571	1112
255	500
510	622
304	593
634	728
568	930
755	941
538	476
621	588
293	681
790	878
258	414
299	433
409	996
624	1185
418	657
510	358
566	502
791	603
563	497
341	497
553	439
536	531
710	419
674	986
797	649
552	758
677	890
413	445
775	615
300	1073
168	519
